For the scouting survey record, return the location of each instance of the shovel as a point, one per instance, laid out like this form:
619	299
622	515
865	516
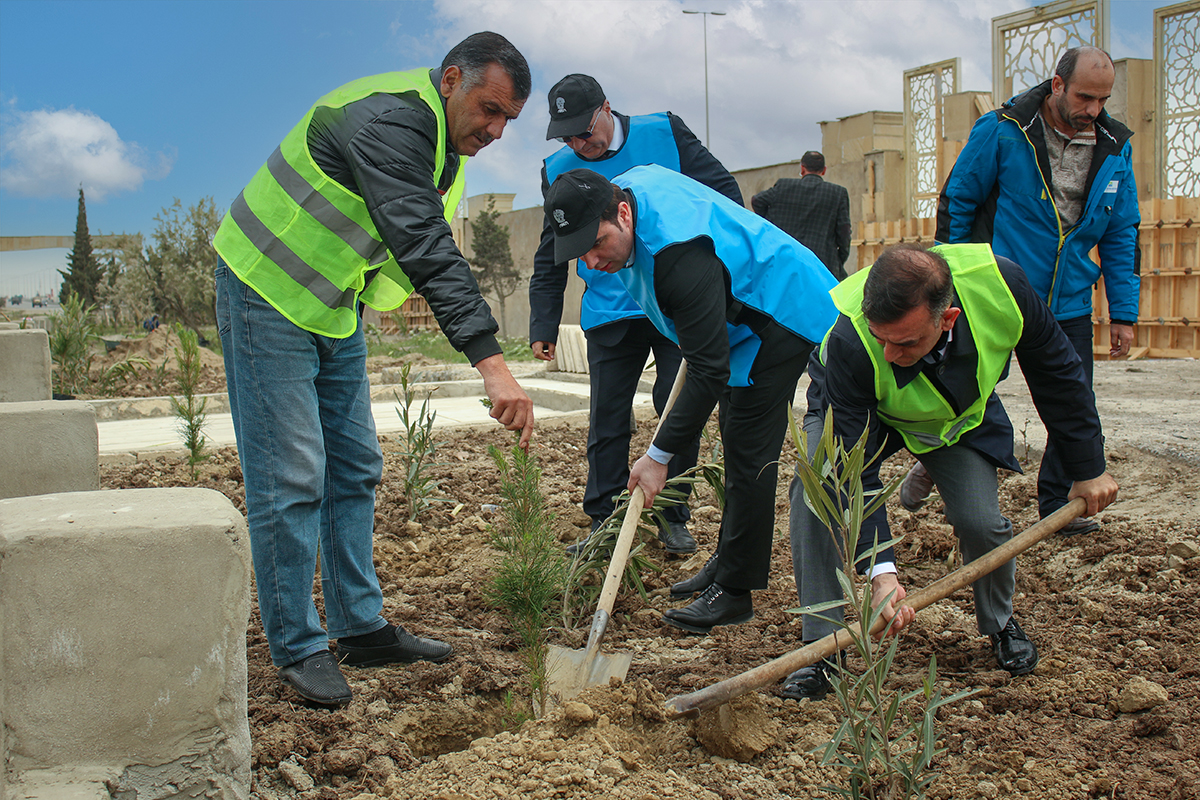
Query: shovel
690	705
571	671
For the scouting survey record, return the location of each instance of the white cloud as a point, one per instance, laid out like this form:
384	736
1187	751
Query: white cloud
775	69
51	153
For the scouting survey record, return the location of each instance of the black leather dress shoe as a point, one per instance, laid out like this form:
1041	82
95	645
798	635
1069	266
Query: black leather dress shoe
574	550
683	590
1015	653
715	607
1078	526
677	539
404	650
811	682
317	678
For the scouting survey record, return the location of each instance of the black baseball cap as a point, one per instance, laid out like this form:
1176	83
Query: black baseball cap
574	204
573	101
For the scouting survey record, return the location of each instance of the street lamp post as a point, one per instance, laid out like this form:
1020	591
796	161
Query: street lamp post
704	15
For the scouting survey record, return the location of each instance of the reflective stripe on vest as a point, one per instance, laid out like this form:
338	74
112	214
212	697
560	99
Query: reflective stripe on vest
918	411
305	242
649	141
769	271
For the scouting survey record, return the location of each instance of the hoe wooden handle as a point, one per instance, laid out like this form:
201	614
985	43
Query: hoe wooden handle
773	671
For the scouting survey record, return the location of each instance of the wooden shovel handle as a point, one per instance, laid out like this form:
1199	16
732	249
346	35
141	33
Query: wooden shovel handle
620	555
773	671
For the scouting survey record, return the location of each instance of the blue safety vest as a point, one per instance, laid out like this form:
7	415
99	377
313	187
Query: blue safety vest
649	141
769	271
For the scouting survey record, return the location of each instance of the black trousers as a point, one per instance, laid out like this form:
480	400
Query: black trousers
753	427
617	352
1053	483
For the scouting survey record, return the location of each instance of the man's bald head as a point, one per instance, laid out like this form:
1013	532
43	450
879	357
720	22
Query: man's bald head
1091	60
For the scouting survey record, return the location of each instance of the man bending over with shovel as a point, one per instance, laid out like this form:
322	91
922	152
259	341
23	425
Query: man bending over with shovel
922	339
745	302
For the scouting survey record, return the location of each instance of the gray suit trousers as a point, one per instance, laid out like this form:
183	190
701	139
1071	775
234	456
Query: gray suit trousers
968	486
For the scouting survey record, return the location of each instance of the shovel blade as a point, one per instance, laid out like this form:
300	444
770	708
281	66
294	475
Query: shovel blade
570	671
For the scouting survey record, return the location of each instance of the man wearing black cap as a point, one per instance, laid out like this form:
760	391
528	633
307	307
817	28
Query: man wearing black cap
745	302
618	334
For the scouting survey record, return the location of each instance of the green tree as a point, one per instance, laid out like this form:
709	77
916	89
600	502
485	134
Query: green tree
172	275
493	262
82	277
180	261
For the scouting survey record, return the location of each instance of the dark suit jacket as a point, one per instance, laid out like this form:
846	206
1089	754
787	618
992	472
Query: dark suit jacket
814	213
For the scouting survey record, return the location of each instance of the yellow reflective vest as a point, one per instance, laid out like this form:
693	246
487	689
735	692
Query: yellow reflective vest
918	411
305	242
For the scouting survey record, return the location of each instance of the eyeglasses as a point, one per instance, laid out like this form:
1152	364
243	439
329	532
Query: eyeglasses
583	137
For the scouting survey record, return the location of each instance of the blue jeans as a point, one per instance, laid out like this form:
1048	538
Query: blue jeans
310	458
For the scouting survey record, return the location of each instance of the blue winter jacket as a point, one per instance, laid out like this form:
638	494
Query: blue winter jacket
999	191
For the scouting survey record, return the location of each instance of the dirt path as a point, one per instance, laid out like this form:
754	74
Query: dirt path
1107	612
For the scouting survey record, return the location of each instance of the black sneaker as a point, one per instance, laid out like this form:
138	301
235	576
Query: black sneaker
317	678
404	650
811	682
715	607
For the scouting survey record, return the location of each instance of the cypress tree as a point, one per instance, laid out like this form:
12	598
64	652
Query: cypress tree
493	262
83	276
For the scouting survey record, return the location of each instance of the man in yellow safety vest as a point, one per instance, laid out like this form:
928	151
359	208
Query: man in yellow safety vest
914	358
351	208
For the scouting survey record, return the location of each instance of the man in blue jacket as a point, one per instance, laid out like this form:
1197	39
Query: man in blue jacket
619	337
1044	179
745	302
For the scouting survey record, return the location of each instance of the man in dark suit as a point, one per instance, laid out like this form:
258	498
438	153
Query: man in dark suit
813	212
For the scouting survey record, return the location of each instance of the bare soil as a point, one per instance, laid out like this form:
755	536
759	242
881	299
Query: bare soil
1112	711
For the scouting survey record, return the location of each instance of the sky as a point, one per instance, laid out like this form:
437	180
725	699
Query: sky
146	102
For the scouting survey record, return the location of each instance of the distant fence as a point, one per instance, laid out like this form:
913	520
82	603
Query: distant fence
414	315
1169	306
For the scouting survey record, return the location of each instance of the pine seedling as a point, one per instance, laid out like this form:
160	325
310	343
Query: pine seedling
887	742
530	578
190	410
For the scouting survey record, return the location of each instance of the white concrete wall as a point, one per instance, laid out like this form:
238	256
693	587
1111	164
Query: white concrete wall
123	643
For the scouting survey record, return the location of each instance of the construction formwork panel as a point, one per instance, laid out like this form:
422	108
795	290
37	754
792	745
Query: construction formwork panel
1169	305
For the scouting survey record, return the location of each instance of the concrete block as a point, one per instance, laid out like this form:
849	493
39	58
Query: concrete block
123	649
24	365
571	350
48	446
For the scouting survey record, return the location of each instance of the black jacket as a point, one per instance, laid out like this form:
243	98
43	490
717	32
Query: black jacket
845	382
814	213
549	280
382	148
